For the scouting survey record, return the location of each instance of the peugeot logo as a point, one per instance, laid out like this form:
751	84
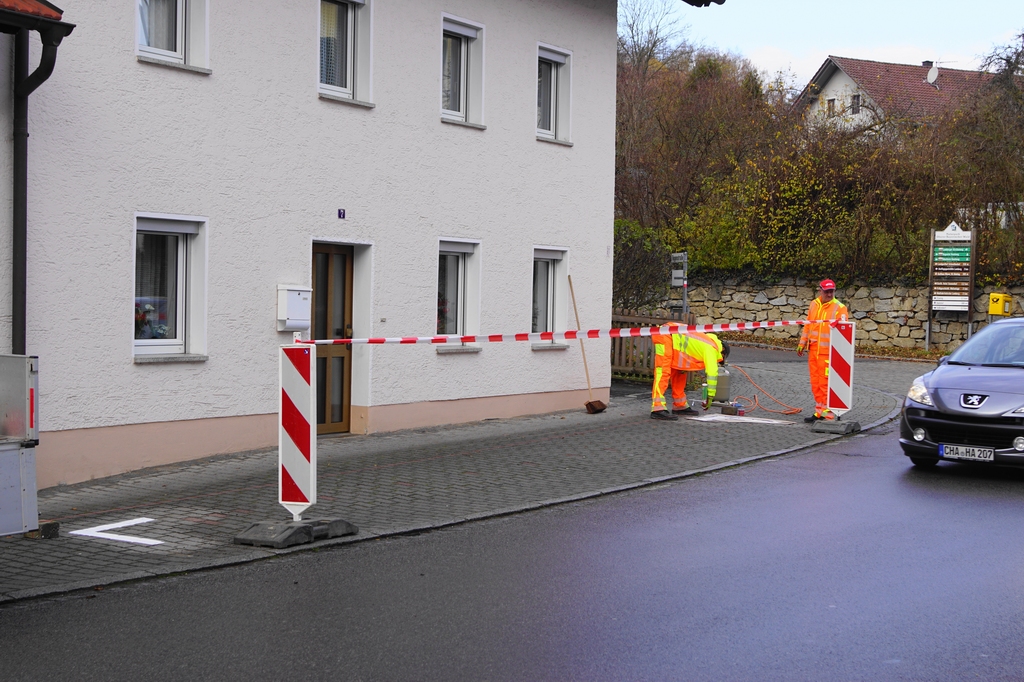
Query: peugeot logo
972	400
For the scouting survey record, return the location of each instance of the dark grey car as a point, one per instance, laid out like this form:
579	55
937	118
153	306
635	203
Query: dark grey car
970	407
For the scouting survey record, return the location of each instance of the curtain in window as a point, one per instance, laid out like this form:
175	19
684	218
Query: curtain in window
545	80
541	295
451	73
448	293
158	21
334	44
156	286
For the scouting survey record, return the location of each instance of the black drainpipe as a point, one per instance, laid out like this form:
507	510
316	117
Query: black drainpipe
24	85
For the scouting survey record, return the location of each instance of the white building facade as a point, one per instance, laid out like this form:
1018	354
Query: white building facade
841	99
188	157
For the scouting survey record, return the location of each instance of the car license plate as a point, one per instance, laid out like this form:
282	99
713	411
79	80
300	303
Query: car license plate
966	452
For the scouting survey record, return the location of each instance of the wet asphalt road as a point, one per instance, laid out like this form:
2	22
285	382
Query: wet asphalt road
839	563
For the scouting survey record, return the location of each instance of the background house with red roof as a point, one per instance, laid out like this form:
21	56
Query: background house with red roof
862	92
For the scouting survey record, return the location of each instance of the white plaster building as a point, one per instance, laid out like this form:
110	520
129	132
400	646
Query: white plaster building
188	156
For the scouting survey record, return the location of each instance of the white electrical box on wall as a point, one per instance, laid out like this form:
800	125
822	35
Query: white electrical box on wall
293	307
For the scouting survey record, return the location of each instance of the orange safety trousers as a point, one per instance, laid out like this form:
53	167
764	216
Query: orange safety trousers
665	375
817	365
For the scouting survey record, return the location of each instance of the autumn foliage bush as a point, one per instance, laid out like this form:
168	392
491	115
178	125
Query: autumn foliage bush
713	160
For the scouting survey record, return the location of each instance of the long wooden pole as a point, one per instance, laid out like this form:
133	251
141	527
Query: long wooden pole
583	351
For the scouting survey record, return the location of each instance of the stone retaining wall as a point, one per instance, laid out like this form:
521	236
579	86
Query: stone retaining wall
886	316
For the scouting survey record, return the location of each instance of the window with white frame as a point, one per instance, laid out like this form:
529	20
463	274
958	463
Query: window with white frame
461	71
160	266
457	277
855	105
451	292
453	76
336	19
345	50
173	31
169	286
547	273
543	271
552	93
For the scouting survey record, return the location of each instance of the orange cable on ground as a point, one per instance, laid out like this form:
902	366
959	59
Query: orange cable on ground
754	403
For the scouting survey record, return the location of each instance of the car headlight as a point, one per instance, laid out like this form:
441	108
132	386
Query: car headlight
918	393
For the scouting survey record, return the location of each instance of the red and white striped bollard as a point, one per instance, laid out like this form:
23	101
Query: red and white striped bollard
297	432
840	368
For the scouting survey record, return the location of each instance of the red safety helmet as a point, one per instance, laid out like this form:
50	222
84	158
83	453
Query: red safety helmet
826	284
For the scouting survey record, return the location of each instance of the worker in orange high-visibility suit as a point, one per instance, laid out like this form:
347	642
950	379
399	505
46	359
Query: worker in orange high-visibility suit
674	356
815	339
665	376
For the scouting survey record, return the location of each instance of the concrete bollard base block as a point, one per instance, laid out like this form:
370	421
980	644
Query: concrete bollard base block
48	530
839	427
289	533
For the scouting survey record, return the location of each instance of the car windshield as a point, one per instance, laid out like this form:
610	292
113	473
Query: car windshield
997	345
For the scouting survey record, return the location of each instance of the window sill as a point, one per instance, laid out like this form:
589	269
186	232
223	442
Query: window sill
165	359
549	346
346	100
457	350
465	124
551	140
173	65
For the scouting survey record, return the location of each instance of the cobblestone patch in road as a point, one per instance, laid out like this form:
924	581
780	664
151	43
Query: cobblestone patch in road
391	483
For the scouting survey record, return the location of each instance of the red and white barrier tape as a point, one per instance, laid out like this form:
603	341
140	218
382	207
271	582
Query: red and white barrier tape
566	335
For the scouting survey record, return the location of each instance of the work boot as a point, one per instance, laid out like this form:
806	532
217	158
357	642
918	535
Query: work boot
686	411
813	418
664	414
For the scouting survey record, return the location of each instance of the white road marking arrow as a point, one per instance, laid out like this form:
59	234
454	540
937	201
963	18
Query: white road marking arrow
101	532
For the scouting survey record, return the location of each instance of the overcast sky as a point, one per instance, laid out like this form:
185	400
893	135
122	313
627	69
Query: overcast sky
797	35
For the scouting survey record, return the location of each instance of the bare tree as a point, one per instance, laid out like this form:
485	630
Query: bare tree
648	33
647	44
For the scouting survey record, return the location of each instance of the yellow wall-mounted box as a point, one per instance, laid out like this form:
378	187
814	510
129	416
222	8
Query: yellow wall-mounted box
1000	304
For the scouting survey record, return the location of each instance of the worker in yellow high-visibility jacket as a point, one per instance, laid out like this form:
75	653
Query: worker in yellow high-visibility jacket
816	341
695	352
674	356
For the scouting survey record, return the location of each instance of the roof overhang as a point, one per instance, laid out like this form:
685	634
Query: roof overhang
703	3
34	15
814	87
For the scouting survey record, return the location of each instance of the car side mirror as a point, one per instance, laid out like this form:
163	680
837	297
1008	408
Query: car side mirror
943	360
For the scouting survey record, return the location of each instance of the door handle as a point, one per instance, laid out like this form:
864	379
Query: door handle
348	331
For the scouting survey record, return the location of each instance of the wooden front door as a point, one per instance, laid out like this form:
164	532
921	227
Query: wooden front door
332	319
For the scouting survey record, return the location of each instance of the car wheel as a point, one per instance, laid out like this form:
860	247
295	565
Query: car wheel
924	462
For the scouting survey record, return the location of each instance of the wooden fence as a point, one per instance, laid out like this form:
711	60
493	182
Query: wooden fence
635	354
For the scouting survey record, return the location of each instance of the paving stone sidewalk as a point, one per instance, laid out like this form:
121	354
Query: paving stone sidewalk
412	480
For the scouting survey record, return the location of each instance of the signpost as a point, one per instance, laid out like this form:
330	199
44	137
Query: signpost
951	275
680	268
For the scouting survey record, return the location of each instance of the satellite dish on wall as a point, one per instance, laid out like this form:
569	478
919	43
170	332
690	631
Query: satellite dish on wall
933	75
